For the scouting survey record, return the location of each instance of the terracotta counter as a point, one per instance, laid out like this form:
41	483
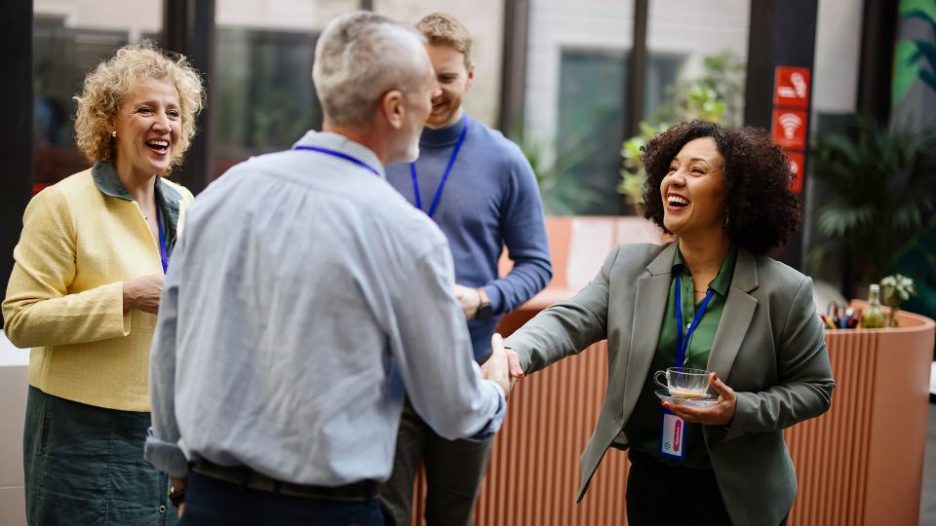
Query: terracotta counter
861	463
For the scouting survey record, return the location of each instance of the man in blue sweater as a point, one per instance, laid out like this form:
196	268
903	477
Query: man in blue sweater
479	188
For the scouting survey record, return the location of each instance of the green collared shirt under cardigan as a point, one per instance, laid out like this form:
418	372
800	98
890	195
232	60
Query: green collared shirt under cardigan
644	424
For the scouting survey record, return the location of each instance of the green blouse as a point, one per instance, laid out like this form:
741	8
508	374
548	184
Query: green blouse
643	427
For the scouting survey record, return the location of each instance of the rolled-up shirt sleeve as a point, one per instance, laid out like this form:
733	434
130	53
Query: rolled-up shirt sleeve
435	357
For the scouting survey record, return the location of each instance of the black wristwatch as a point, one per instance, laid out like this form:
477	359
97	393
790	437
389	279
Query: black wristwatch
485	311
176	496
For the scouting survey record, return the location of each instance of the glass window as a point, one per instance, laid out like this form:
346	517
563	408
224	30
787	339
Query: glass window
592	117
577	76
712	39
591	125
69	39
262	95
574	102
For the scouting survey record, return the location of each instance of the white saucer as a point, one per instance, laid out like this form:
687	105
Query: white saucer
697	402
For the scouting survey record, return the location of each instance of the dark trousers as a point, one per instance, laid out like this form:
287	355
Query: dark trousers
212	502
454	469
661	494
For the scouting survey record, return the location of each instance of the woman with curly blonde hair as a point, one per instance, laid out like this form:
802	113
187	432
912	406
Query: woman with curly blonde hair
85	288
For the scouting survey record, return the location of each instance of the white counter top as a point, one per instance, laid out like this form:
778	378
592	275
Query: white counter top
11	356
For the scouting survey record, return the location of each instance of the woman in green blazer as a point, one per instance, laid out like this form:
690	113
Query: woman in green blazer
710	300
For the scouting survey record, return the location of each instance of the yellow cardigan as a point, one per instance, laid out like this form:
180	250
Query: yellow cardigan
82	238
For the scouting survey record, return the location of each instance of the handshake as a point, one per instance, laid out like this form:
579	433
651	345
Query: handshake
503	367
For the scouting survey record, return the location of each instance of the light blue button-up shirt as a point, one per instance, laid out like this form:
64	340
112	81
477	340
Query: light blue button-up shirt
304	297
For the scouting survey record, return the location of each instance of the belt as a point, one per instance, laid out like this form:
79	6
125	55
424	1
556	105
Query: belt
248	478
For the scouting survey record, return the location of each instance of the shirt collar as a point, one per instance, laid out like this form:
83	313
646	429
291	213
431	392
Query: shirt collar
723	280
105	177
167	198
443	136
340	143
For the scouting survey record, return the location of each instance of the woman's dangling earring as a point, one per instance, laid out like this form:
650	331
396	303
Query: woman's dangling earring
114	134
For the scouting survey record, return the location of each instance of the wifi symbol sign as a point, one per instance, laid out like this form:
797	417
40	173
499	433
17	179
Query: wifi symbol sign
790	122
789	129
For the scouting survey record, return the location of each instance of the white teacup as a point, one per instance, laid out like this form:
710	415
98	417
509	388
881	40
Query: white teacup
685	383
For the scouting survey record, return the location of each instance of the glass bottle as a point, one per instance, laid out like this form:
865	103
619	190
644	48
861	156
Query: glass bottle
872	316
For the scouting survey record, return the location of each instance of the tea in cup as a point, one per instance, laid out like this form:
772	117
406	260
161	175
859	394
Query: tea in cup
685	383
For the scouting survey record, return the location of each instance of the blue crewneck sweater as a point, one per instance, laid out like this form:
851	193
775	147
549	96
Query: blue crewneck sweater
489	200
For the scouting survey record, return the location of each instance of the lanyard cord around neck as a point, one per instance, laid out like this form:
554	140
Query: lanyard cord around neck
682	341
341	155
445	175
163	245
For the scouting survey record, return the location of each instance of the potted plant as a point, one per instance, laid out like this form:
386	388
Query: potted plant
878	195
897	289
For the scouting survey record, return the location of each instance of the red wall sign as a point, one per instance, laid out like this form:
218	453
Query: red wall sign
788	129
796	168
791	87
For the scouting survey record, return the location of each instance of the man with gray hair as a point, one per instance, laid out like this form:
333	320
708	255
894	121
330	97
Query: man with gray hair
305	297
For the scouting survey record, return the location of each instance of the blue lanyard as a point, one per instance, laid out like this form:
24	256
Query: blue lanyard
445	175
340	155
163	246
682	342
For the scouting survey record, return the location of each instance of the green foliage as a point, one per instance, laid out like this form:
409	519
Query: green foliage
881	194
907	52
906	71
717	96
633	174
926	50
925	9
561	195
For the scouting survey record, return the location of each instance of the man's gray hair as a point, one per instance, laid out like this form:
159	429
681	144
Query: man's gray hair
361	56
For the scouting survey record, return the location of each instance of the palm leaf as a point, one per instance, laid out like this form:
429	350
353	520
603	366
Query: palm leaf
928	77
926	50
839	219
906	71
883	191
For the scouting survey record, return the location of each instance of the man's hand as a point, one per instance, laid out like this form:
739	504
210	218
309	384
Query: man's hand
143	293
719	414
497	368
470	300
177	486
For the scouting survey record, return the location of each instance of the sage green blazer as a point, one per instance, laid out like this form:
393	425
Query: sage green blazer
769	348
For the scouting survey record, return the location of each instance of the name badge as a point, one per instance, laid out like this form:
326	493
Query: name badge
672	436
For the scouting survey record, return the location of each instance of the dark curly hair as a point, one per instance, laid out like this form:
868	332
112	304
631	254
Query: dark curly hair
763	213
